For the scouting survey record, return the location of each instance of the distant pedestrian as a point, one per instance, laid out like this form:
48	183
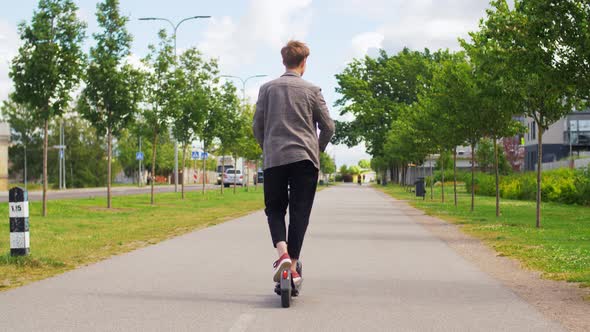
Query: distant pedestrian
288	113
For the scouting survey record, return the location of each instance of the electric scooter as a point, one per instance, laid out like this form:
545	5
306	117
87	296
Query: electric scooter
286	288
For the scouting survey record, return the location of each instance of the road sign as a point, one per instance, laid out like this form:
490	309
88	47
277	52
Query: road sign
204	155
61	154
139	156
195	155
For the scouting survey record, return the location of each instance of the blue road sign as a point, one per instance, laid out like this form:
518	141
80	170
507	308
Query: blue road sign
204	155
139	156
195	155
61	154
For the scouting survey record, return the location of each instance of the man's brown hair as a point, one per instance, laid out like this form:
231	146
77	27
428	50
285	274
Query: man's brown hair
294	53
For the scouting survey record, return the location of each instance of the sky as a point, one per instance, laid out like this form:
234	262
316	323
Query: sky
246	35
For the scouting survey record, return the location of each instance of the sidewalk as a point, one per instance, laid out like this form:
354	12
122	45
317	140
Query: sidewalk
368	266
37	195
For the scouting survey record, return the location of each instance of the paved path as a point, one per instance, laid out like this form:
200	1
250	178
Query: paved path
369	267
37	195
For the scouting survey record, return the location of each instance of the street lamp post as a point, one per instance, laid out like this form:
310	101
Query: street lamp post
244	81
175	29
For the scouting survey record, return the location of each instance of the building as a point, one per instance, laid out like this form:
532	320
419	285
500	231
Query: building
4	142
571	133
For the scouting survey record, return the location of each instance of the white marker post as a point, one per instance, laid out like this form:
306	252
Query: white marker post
18	205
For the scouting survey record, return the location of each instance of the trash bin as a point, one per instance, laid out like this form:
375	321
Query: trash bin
420	187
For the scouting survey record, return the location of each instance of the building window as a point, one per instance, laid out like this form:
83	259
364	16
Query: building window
584	125
534	131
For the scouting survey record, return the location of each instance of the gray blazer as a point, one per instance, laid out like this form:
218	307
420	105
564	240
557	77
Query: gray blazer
288	114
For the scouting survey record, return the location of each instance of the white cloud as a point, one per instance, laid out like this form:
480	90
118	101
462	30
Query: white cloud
364	42
9	42
347	156
266	24
416	24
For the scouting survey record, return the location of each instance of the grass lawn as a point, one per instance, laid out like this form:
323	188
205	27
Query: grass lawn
82	231
560	249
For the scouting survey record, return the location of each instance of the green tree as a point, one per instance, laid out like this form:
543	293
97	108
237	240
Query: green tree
344	170
354	170
83	145
457	98
364	164
404	143
113	88
439	116
229	122
26	148
128	145
524	39
375	91
196	78
48	65
499	104
251	151
486	157
162	93
327	165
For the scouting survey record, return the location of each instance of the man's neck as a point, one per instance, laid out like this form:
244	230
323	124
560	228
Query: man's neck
297	71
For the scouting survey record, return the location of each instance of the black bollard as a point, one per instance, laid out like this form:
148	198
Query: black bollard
18	203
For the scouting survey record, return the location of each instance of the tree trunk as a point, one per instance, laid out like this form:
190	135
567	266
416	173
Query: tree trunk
455	175
183	166
205	170
235	172
109	169
247	178
222	171
153	165
442	167
497	177
391	171
472	177
539	177
45	146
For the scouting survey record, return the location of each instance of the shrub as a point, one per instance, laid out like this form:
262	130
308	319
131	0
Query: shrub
562	186
461	175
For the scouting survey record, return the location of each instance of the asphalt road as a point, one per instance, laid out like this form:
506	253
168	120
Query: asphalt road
102	192
367	267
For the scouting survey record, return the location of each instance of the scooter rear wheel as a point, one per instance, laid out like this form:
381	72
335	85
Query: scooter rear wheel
286	288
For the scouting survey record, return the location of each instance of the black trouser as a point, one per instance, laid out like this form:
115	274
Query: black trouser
291	185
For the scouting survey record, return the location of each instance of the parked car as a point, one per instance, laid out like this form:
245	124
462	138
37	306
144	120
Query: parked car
232	176
259	177
220	171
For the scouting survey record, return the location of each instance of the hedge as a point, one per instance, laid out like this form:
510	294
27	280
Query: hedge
562	186
461	176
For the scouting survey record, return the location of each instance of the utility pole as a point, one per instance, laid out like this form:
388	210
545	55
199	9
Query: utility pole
175	30
60	153
244	81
